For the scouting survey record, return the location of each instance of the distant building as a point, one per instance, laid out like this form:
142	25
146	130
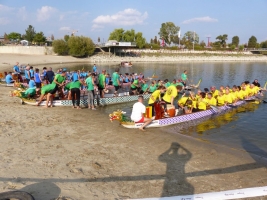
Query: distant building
2	38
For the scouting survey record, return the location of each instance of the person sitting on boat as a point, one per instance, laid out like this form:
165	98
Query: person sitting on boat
166	83
144	87
134	87
210	99
182	101
228	96
198	94
9	79
122	78
222	89
256	83
31	91
243	92
214	92
155	96
255	89
75	76
202	103
220	99
126	78
152	87
234	94
138	113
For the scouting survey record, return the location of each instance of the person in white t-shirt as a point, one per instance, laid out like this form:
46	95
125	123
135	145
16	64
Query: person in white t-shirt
138	112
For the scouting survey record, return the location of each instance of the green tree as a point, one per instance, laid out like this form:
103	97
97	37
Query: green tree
202	44
252	42
30	33
222	39
80	46
60	47
117	35
235	41
175	40
52	37
128	36
66	38
155	41
263	44
232	47
241	47
140	40
14	36
39	38
188	39
167	31
151	41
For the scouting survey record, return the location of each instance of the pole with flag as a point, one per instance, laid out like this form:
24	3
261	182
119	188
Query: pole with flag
179	36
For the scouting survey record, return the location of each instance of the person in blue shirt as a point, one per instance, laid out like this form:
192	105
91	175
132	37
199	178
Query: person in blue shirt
31	91
16	68
94	68
31	71
9	78
27	74
37	78
75	76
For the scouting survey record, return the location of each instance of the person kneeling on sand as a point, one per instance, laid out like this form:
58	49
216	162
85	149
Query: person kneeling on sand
138	113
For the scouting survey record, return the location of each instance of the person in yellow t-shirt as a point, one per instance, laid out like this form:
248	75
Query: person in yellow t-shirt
214	92
242	94
198	94
182	101
171	93
222	89
221	99
156	95
228	97
211	100
234	94
202	103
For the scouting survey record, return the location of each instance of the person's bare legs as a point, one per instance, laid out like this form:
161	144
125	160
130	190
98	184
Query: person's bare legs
40	100
47	100
146	122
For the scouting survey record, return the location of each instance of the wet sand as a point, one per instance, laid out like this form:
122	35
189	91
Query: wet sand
64	152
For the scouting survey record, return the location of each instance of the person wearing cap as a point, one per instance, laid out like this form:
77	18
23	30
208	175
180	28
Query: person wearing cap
102	83
138	113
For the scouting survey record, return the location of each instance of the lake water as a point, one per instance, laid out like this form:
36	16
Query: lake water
244	128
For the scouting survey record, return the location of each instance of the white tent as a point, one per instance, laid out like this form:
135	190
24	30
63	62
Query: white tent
24	42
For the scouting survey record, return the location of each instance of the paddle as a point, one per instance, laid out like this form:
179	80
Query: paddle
216	109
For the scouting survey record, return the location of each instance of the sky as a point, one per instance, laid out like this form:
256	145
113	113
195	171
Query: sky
98	18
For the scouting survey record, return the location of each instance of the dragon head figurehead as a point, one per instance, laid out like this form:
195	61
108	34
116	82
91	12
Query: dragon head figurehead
116	115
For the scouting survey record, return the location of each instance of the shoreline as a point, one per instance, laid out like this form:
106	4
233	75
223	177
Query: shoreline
9	60
79	154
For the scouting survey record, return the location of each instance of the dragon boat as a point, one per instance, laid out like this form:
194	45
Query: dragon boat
127	123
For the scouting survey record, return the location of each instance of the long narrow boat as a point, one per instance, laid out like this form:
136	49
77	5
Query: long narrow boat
124	121
121	98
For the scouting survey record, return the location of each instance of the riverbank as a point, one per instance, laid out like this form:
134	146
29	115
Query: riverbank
8	60
80	154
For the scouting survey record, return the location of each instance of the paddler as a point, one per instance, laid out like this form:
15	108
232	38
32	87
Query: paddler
171	93
76	92
210	99
228	97
134	86
138	113
220	99
202	103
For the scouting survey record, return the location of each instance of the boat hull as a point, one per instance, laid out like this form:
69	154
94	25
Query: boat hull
183	118
84	101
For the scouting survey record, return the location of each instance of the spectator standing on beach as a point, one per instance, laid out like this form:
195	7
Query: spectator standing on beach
184	77
75	93
90	82
37	78
102	83
50	75
44	73
31	71
116	81
27	74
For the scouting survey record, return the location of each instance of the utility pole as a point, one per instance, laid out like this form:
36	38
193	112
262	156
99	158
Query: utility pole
194	41
179	36
208	41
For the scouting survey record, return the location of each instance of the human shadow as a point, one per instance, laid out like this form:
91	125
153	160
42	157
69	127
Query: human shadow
43	190
175	183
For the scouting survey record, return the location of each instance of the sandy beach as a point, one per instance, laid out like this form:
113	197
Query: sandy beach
63	152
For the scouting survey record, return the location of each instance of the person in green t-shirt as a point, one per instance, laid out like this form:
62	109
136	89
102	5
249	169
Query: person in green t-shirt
90	82
116	81
144	87
102	83
184	77
76	92
134	87
152	87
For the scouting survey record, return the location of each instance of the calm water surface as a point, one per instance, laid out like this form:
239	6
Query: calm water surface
244	128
